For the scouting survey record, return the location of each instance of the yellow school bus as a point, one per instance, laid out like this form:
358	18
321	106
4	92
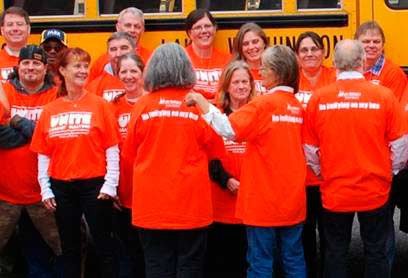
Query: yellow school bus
88	23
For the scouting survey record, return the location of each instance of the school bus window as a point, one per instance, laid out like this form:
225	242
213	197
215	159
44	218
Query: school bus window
151	6
239	5
397	4
319	4
46	7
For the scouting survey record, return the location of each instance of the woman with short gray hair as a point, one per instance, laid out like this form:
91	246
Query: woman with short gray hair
271	199
169	143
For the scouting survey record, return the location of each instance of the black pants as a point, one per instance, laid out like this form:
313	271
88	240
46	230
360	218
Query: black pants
174	254
75	198
226	252
374	227
309	237
131	259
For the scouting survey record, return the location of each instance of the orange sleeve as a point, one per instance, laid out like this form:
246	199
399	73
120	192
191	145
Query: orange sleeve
97	67
245	122
396	125
111	133
396	80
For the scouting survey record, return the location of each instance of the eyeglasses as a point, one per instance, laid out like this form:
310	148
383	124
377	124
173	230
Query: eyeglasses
200	28
57	48
313	49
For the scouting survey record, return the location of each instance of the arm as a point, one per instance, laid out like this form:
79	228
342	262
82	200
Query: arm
218	173
217	120
47	195
399	153
4	101
312	158
110	185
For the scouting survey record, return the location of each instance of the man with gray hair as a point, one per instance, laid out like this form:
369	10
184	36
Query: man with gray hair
131	21
355	138
107	85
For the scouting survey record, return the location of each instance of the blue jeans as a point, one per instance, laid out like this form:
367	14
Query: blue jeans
262	245
374	231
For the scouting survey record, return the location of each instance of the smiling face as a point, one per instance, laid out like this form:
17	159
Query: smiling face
240	86
15	31
202	33
310	56
373	45
131	75
75	72
131	24
252	47
31	72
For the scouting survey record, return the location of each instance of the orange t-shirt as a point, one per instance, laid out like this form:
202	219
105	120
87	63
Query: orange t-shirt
98	67
272	189
75	135
224	202
208	71
391	76
18	171
306	89
7	63
259	88
352	122
122	109
106	86
170	144
404	103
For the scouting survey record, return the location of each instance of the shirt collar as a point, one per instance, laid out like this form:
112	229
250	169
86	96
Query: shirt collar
281	88
378	66
350	75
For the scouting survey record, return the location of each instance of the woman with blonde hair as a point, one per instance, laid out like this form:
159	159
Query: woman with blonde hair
227	238
249	44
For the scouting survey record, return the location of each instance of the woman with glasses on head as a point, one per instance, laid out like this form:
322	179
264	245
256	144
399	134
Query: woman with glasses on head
249	44
271	198
313	75
207	61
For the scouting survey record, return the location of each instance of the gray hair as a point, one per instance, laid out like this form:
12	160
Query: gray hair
169	66
282	60
349	55
134	11
120	36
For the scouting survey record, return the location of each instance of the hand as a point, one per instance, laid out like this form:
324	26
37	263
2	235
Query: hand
15	120
117	204
233	185
104	196
50	204
193	98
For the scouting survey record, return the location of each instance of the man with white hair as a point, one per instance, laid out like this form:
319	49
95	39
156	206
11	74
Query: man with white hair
131	21
355	137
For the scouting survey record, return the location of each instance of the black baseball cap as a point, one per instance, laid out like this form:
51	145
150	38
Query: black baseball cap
33	51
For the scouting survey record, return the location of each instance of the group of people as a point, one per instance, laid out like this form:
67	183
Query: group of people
191	162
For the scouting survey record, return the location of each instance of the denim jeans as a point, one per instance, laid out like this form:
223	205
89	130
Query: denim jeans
265	244
174	253
374	231
75	198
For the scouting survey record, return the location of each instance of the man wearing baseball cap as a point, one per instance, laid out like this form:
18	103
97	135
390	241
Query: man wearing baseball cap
53	41
28	89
